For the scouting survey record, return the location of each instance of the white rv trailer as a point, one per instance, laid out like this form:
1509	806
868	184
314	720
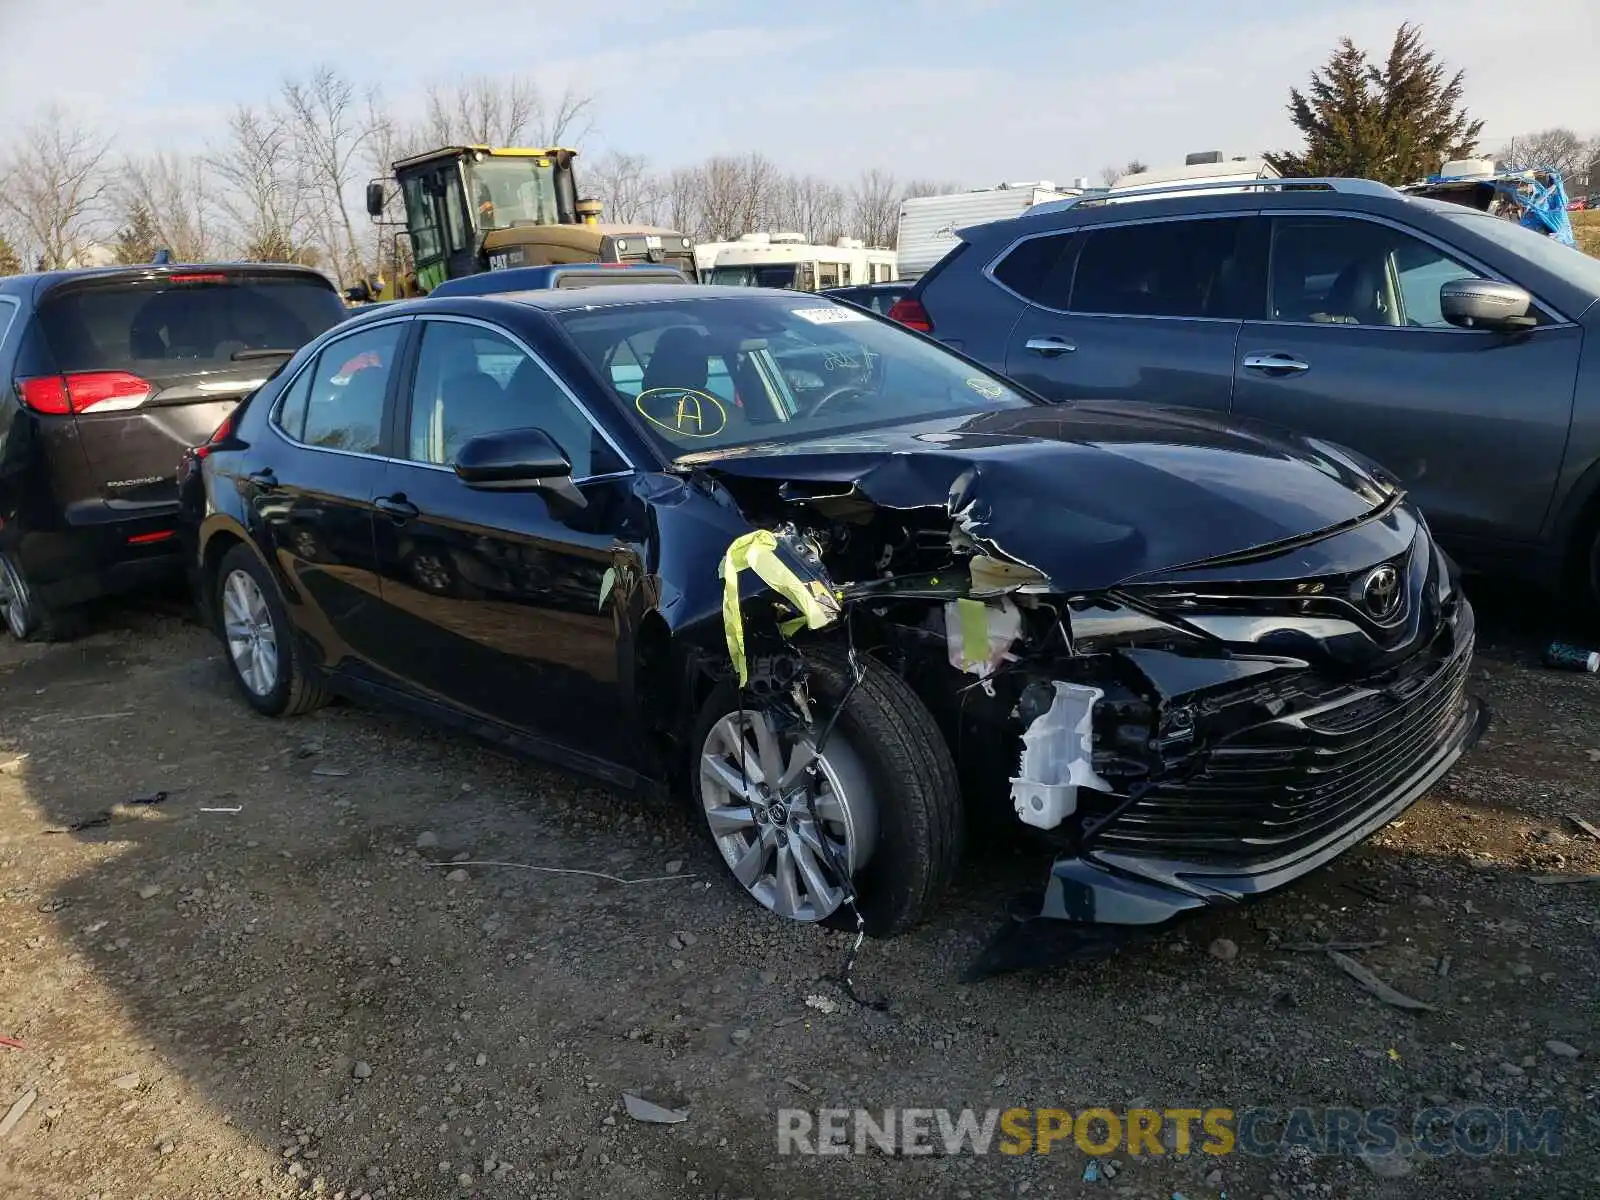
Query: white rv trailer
1204	167
787	260
928	224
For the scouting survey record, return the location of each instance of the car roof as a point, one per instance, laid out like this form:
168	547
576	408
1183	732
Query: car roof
39	282
563	299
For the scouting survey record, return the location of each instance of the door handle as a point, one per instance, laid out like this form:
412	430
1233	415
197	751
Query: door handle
264	481
399	509
1049	346
1275	364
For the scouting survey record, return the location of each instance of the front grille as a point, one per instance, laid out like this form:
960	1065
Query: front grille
1339	596
1283	785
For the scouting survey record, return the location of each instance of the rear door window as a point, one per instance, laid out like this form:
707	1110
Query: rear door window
344	402
185	324
1199	268
1038	269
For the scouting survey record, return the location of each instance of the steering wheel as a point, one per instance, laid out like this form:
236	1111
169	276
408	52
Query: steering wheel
855	387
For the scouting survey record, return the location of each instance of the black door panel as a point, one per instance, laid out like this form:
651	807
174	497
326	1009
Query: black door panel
1473	422
504	604
500	603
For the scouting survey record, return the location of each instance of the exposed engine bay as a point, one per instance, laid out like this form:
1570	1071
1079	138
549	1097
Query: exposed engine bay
1191	730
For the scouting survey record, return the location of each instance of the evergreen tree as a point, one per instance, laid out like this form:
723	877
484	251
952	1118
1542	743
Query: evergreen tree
139	239
1396	122
10	264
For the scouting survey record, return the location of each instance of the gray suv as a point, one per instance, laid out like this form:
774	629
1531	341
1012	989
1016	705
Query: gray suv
1446	344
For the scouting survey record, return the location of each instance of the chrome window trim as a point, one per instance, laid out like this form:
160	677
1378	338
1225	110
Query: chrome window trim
289	384
1087	228
7	320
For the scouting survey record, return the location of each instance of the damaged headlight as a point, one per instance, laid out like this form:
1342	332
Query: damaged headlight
1101	624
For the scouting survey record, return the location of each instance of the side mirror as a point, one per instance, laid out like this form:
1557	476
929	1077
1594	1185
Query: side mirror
375	192
516	460
1486	304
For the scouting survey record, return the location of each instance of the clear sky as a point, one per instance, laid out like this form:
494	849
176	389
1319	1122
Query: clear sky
971	90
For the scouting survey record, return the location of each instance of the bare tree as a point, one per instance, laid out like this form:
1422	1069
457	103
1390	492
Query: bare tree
875	207
1557	149
736	195
505	110
625	184
330	132
929	187
178	194
263	192
1110	175
811	206
684	201
55	188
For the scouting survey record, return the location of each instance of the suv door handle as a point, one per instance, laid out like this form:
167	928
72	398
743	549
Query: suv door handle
399	509
264	481
1049	346
1275	364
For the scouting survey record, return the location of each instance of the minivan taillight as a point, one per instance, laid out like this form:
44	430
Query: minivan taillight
83	391
47	394
223	433
910	313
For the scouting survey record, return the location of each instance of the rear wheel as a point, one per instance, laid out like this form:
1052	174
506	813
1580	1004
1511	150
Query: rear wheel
878	807
265	657
25	616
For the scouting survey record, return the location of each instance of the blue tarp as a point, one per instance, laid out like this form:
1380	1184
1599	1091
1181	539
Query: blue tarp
1540	194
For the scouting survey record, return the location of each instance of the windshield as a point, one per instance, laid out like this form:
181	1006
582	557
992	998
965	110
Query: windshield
514	191
708	374
1574	266
776	275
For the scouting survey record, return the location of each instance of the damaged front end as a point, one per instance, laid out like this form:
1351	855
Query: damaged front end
1172	738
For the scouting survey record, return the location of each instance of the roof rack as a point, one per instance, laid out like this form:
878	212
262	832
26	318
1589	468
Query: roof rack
1157	191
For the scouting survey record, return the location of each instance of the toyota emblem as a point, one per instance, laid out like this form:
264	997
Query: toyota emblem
1380	591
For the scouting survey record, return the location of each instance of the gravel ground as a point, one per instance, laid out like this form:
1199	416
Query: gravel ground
305	994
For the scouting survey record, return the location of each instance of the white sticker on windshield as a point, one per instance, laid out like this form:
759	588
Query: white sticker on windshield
828	316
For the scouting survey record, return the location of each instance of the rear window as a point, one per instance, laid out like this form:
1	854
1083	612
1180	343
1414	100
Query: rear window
173	325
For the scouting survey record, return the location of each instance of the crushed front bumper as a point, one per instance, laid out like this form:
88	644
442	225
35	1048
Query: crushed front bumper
1274	802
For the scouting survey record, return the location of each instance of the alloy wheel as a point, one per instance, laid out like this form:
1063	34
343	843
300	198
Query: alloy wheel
14	598
792	825
252	640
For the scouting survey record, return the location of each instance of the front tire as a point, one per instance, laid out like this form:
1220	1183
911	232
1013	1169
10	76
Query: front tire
883	796
264	655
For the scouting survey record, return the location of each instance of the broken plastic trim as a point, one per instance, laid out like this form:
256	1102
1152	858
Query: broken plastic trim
1058	758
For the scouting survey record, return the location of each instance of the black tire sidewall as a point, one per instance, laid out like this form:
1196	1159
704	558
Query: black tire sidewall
884	884
242	558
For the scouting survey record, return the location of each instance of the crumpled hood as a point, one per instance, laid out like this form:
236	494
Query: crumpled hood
1090	494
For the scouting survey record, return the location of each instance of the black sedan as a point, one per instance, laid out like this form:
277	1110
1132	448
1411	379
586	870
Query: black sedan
847	591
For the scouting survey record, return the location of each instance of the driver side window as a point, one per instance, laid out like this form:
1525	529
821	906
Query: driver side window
471	380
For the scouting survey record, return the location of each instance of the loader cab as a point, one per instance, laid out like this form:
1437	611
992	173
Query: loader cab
459	197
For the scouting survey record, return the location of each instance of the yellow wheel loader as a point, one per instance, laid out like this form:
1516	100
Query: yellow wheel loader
479	208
